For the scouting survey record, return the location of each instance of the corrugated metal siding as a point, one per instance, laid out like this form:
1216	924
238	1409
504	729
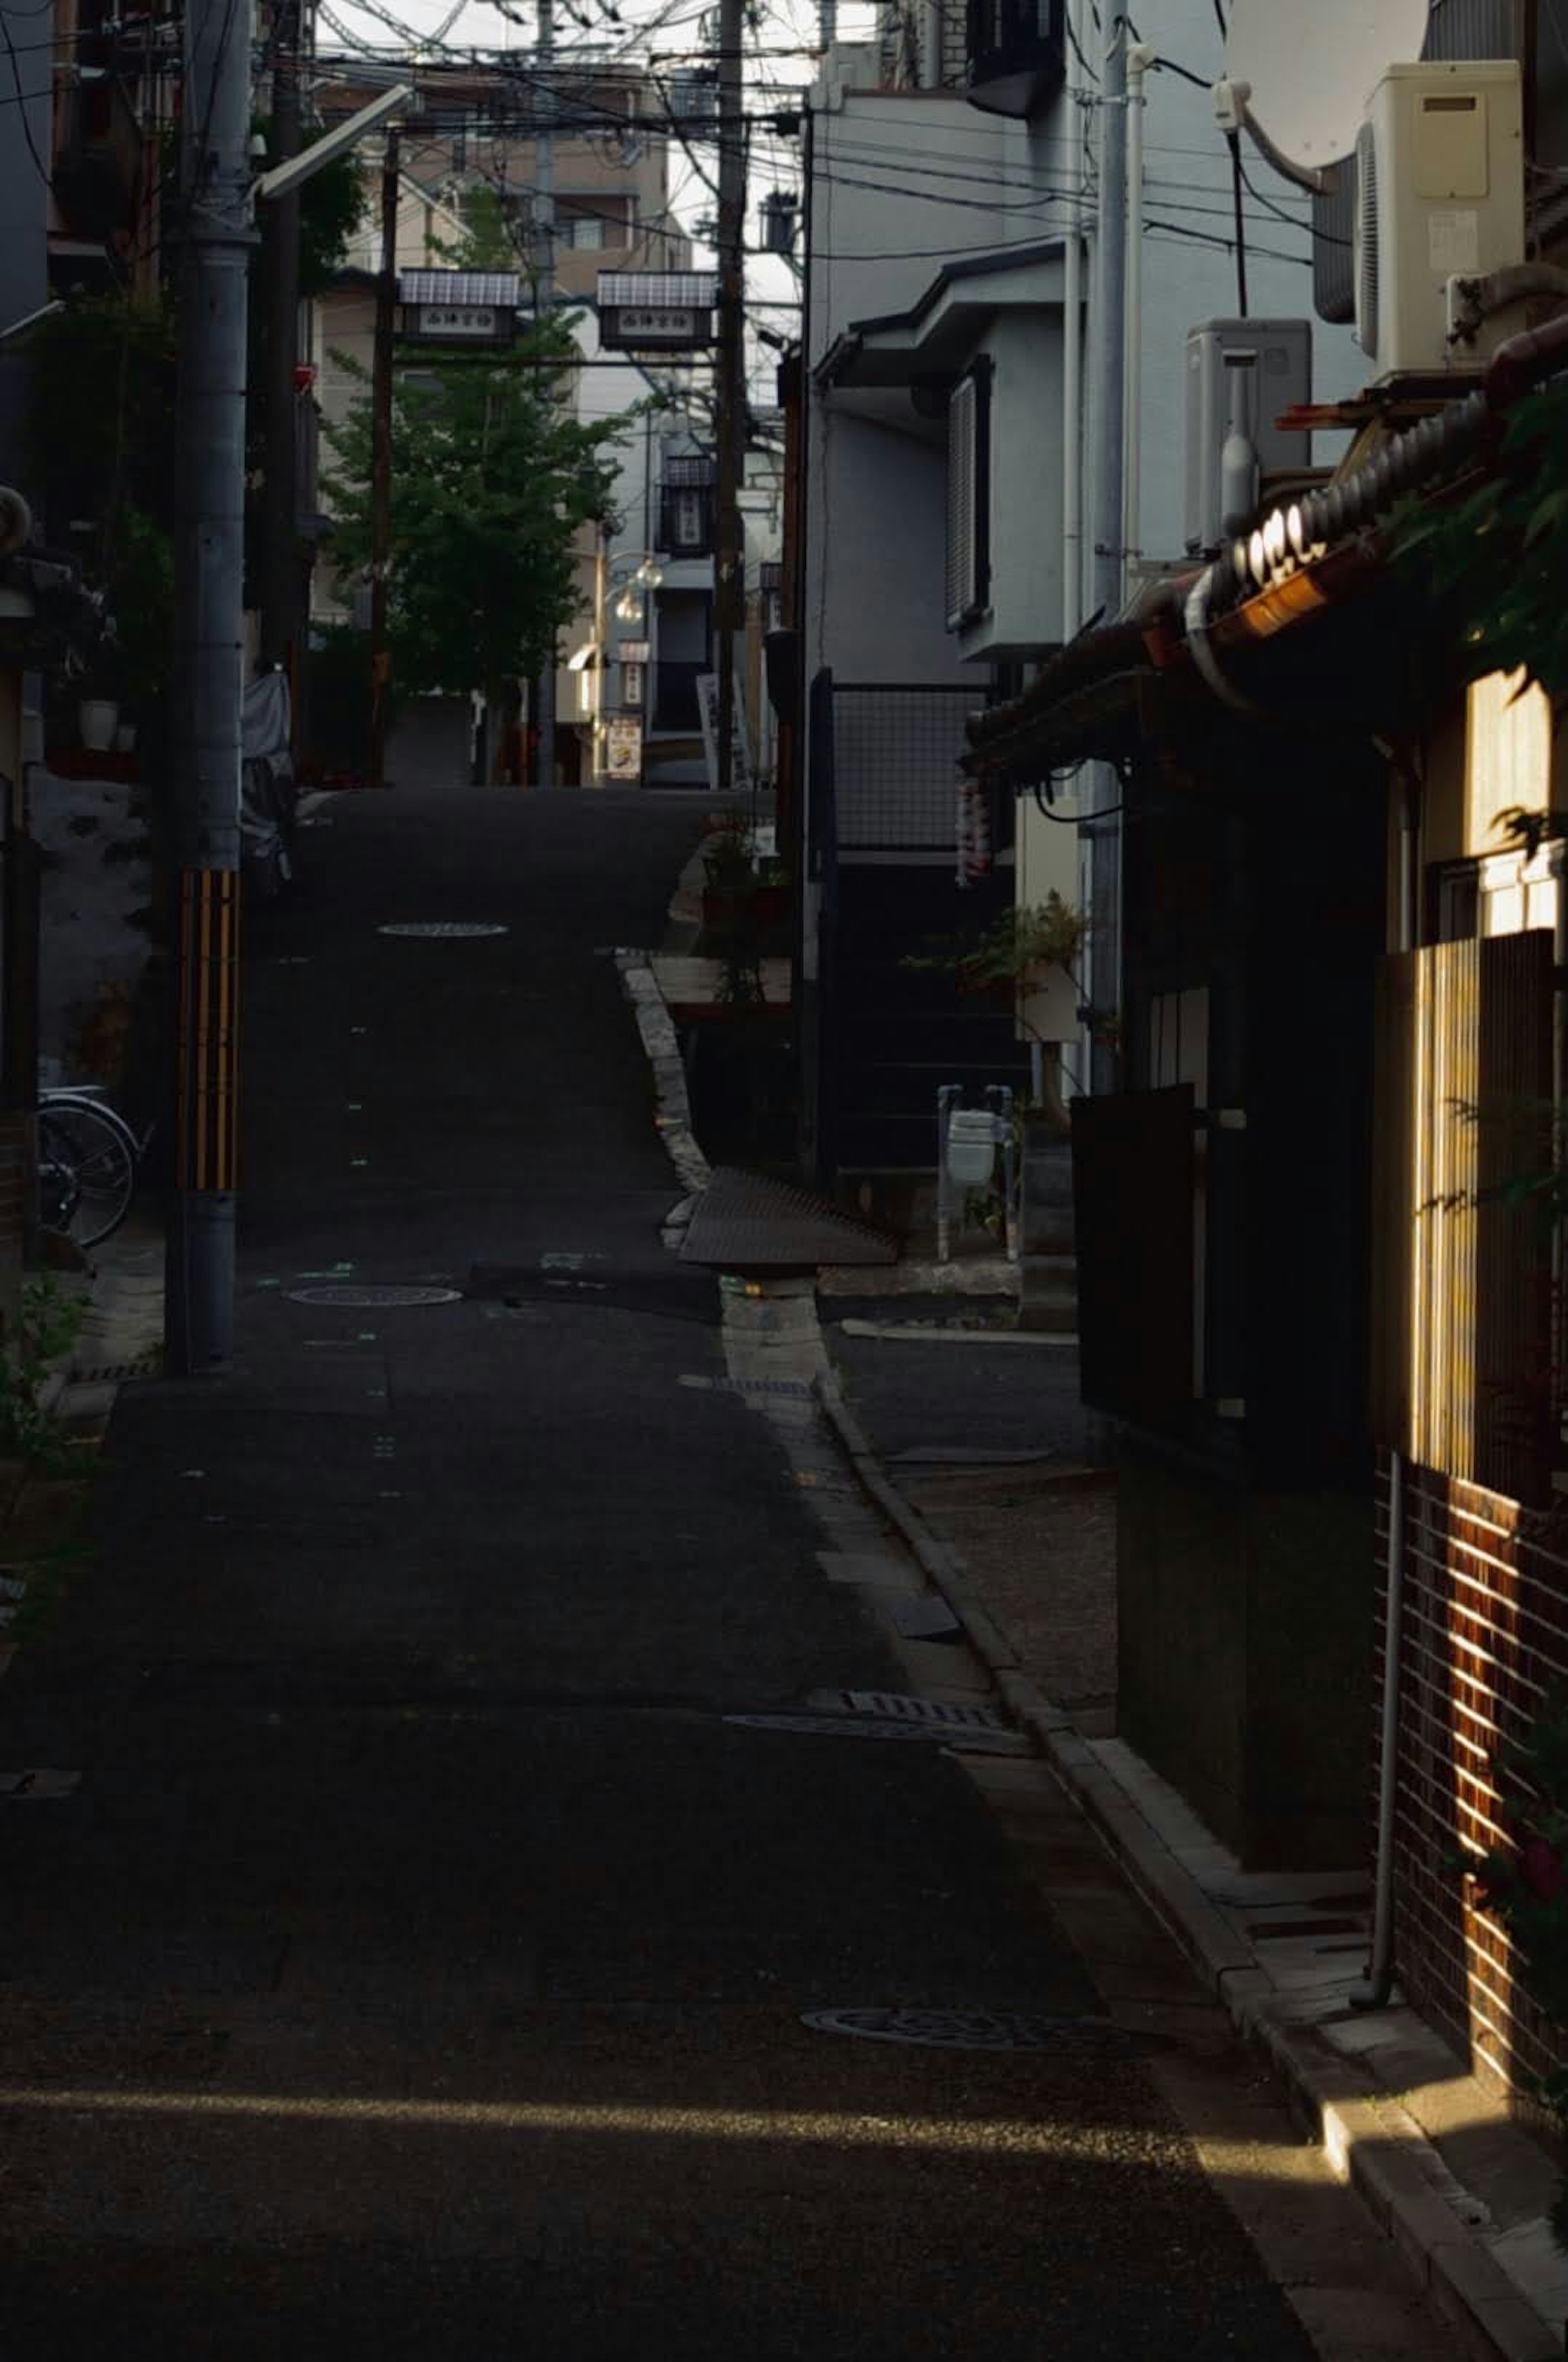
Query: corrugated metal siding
1461	1275
1458	29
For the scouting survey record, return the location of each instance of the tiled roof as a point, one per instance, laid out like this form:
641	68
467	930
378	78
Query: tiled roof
501	288
665	287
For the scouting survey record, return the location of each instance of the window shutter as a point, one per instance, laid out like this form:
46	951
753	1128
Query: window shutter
968	498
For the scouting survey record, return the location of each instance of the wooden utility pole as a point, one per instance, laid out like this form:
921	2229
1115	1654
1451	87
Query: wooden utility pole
381	461
730	557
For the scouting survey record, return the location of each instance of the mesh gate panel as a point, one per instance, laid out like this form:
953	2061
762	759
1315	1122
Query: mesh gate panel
895	761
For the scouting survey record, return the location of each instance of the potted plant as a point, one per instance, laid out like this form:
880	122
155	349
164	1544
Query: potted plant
98	700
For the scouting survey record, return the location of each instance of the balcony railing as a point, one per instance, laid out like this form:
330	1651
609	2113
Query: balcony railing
1017	54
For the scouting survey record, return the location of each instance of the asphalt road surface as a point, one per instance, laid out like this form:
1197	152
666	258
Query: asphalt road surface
420	1965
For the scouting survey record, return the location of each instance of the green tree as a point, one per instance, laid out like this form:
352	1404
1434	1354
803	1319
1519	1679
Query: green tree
1494	559
491	478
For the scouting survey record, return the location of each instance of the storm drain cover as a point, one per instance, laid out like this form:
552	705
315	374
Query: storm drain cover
988	2029
865	1725
380	1300
448	929
894	1706
750	1222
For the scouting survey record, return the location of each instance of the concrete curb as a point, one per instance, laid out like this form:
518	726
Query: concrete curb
1369	2140
672	1117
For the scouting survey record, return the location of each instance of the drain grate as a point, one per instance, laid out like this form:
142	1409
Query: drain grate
381	1300
892	1705
989	2029
448	929
981	1739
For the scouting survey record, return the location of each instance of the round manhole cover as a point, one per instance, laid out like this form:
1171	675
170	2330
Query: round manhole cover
380	1300
988	2029
448	929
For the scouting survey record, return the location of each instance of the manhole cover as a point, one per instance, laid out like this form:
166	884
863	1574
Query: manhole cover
862	1725
381	1300
989	2029
452	928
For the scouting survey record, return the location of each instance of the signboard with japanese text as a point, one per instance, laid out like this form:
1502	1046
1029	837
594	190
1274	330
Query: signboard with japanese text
741	779
623	751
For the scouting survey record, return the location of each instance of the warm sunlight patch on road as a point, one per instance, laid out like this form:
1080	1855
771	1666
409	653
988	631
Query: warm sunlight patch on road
980	2136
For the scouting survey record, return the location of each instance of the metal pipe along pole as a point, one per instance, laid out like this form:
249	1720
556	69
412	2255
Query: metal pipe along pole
544	230
1109	328
381	462
280	262
1111	324
208	685
1140	58
728	563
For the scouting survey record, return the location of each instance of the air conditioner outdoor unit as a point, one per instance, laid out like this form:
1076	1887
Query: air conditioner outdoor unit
1280	355
1440	174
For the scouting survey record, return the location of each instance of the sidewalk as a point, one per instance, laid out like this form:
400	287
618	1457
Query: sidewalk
983	1460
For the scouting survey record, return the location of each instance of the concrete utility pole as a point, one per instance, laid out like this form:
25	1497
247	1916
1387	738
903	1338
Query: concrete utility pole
729	554
208	551
279	567
544	225
381	459
1108	332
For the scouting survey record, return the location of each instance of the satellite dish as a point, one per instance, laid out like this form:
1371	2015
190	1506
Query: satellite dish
1311	73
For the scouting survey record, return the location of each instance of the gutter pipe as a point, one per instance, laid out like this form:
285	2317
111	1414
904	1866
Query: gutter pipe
1373	1988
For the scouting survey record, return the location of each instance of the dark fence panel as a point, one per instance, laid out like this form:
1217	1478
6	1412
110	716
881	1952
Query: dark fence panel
1133	1170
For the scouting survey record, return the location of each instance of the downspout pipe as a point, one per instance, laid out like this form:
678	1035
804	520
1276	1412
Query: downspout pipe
1372	1990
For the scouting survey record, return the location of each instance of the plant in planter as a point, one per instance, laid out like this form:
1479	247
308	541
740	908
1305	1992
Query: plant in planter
1525	1886
1011	959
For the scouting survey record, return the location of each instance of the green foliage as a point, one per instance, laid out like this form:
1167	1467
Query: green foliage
101	405
491	479
1526	1885
51	1322
1496	559
101	435
1015	947
333	203
487	242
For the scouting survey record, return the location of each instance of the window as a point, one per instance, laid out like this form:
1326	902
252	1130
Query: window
969	497
585	230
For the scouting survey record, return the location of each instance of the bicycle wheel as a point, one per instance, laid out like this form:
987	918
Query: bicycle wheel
82	1140
76	1094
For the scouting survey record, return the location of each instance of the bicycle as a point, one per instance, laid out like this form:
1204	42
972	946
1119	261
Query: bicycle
89	1157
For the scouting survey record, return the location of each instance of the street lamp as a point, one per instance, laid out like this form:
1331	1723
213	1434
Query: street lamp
648	575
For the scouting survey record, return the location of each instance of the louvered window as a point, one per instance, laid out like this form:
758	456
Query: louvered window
969	497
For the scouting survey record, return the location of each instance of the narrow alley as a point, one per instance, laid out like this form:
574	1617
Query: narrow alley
421	1959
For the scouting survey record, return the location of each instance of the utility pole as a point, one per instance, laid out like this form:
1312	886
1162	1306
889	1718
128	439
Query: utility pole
1107	536
729	555
381	461
544	227
208	554
279	567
